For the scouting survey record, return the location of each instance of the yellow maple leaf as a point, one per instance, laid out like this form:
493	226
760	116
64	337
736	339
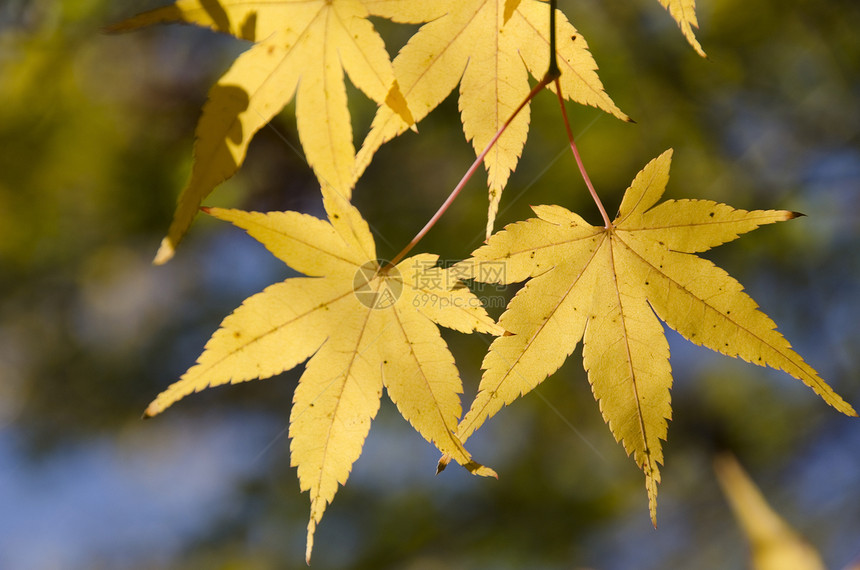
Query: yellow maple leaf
684	13
302	48
607	286
364	327
488	47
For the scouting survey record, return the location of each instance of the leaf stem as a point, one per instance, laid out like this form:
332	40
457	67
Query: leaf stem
466	177
607	222
553	71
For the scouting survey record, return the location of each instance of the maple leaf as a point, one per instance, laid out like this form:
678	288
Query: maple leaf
301	49
684	13
364	327
488	47
607	286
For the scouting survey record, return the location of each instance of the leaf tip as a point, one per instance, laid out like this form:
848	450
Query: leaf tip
310	544
165	252
652	509
651	486
847	409
498	330
443	463
792	215
480	470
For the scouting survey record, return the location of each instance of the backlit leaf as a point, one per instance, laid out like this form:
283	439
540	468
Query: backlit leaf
364	327
684	12
610	287
489	48
301	49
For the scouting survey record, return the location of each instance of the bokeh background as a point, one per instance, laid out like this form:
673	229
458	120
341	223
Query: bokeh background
95	143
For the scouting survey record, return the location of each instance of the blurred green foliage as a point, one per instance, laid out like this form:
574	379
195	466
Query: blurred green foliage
95	141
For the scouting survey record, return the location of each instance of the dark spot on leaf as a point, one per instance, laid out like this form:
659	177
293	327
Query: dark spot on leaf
711	214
